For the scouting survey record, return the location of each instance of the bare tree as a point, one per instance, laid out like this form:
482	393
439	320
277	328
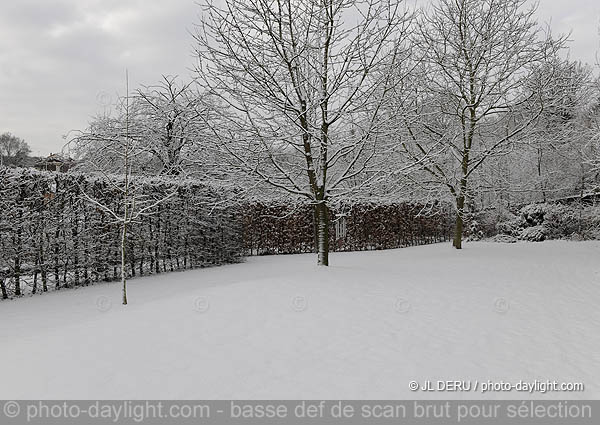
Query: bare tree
546	162
301	84
13	150
561	136
479	87
594	124
111	149
170	125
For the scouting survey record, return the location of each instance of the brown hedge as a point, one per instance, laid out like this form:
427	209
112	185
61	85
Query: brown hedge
288	228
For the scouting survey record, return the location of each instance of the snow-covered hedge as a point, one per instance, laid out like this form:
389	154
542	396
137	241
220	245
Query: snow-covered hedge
51	236
538	222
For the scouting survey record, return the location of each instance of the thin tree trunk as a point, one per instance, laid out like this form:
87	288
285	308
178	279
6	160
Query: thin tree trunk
581	193
123	265
74	233
17	279
125	197
56	259
150	246
17	261
43	237
539	171
43	269
156	243
323	234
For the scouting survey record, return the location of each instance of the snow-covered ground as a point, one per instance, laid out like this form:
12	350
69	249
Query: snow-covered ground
279	327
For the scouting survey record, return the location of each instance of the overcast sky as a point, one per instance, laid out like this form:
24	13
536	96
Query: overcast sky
61	61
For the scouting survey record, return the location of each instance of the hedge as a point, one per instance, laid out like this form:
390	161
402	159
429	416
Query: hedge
52	237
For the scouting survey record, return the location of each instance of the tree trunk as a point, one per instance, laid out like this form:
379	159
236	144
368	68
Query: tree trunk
35	279
539	171
17	274
75	256
323	234
123	264
43	265
458	229
56	258
316	228
3	287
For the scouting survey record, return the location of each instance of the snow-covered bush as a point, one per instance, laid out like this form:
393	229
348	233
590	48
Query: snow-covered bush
576	237
504	239
590	222
560	220
509	228
532	215
534	234
480	225
475	231
503	222
542	221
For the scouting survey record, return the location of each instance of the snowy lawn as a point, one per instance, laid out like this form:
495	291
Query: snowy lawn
279	327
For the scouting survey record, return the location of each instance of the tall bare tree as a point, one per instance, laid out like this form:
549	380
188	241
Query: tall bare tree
479	87
301	84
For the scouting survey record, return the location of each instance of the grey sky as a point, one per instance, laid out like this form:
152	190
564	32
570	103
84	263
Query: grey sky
62	60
